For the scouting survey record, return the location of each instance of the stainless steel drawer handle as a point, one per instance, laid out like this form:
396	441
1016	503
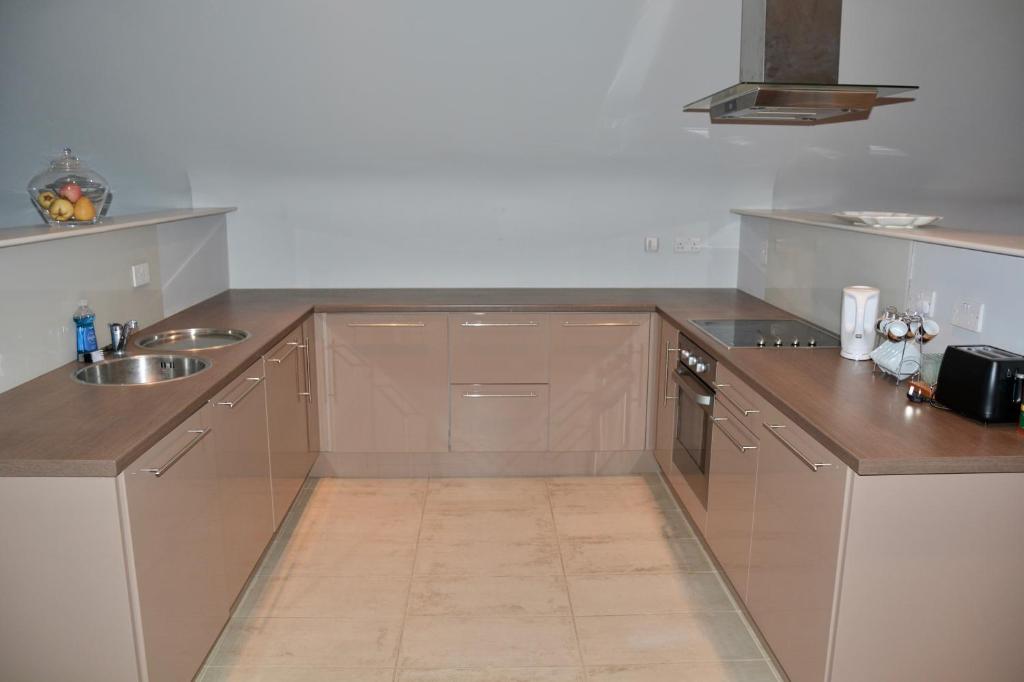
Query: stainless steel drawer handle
500	324
814	466
732	401
295	345
742	448
386	325
499	395
230	404
200	434
600	324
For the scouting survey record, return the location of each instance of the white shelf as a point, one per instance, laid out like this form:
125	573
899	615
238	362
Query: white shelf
989	242
34	234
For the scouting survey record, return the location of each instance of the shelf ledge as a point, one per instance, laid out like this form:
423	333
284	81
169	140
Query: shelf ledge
34	234
988	242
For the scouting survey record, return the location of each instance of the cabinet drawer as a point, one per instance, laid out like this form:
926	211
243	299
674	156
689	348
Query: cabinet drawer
492	348
741	400
499	417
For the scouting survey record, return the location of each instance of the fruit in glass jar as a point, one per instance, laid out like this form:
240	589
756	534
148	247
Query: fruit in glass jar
62	209
84	210
71	191
45	198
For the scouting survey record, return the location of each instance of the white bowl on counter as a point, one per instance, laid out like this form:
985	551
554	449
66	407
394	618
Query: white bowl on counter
887	219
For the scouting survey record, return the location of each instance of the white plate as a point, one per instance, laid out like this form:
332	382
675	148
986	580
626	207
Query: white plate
886	219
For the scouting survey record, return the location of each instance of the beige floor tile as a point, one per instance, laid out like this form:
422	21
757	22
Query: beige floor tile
493	675
583	557
637	524
371	486
488	559
725	671
384	524
568	482
513	526
672	638
300	596
464	642
483	494
634	594
249	673
325	642
315	554
610	498
487	596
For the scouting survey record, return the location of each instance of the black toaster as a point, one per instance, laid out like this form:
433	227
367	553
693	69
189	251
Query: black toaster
981	382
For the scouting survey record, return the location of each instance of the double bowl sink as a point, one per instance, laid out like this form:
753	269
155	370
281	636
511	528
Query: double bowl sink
141	370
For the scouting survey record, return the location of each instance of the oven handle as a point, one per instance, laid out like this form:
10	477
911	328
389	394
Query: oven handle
702	399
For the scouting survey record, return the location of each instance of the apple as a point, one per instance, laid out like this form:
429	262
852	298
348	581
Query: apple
71	191
84	210
45	198
62	209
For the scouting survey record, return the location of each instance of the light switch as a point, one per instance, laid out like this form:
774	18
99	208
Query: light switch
140	275
652	244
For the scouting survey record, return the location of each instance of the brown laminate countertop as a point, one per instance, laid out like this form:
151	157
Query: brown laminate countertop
54	426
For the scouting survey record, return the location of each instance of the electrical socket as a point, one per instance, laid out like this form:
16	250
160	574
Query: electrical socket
923	302
688	245
140	274
968	315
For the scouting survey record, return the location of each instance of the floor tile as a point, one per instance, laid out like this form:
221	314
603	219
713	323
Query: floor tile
338	642
488	559
384	524
636	524
634	594
249	673
461	642
493	675
299	596
725	671
315	554
513	526
488	596
482	494
672	638
583	557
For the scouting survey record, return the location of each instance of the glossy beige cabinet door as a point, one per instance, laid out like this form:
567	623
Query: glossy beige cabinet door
731	496
798	521
498	348
742	400
176	531
290	456
667	395
310	369
499	418
599	381
386	382
239	441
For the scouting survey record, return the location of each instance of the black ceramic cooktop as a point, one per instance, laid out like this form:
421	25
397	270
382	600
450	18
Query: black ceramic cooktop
768	333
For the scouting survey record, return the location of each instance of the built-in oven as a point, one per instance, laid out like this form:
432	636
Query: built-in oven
695	404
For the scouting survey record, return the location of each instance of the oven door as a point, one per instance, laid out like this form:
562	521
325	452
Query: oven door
691	448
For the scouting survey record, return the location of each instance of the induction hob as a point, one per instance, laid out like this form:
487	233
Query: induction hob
768	334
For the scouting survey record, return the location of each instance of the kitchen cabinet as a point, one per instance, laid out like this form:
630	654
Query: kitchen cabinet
795	545
386	382
311	374
742	400
498	348
731	486
239	441
599	381
175	530
288	423
499	418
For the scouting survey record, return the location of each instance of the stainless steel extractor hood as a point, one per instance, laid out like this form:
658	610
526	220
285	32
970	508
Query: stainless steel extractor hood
789	70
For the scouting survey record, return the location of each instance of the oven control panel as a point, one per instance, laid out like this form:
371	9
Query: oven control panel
696	359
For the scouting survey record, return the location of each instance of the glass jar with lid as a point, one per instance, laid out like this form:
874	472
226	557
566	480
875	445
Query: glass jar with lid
69	193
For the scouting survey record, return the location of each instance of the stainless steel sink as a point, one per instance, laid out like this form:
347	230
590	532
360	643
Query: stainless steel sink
192	339
137	370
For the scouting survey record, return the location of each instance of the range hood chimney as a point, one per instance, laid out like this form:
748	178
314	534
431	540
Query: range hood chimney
789	70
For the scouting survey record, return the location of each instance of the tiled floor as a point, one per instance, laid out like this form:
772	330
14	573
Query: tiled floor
487	580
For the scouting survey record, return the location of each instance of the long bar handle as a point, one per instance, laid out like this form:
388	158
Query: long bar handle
499	395
742	448
230	404
668	367
600	324
812	465
386	324
746	413
308	393
200	434
500	324
294	345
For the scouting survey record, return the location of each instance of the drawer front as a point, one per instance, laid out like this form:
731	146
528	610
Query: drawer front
499	417
741	400
494	348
